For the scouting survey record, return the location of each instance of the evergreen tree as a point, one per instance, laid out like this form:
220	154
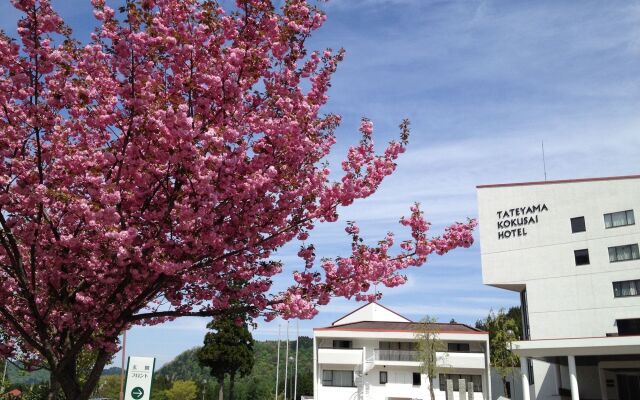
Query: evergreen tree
227	351
504	328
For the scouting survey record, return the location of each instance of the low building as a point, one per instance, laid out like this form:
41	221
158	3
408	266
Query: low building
570	249
371	354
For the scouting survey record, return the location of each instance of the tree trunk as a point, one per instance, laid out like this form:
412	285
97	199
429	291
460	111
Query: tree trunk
232	381
504	387
431	392
65	377
53	389
221	391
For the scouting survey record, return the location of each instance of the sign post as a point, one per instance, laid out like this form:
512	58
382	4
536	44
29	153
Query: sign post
139	378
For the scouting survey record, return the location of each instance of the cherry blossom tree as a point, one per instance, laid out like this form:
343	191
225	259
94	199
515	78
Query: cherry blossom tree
153	172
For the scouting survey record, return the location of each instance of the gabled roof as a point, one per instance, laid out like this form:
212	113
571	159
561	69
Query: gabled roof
387	326
372	311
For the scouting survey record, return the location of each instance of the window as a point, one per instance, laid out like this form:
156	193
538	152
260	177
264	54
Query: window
337	378
530	369
626	288
342	344
383	377
581	256
476	379
620	218
628	326
577	225
408	346
416	379
458	347
624	253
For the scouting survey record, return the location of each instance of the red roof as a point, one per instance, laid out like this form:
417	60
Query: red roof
610	178
384	326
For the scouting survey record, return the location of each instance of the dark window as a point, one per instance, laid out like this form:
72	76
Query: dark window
626	288
476	379
416	379
524	309
581	256
337	378
342	344
407	346
624	253
458	347
530	369
577	225
383	376
621	218
628	326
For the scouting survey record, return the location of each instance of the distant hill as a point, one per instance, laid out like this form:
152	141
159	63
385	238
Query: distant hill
18	376
111	371
261	383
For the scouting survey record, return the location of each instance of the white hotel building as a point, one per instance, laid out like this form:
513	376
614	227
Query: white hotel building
570	248
370	354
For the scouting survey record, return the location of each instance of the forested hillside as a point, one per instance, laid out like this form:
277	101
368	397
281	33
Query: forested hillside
257	386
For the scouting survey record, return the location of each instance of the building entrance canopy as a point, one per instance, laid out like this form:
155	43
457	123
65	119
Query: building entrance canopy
613	345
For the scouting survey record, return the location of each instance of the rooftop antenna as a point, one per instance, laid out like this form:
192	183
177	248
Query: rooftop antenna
544	163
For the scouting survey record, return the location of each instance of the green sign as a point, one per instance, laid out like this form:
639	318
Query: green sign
137	393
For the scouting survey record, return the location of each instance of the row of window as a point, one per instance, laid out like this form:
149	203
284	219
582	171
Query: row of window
344	378
611	220
403	346
625	252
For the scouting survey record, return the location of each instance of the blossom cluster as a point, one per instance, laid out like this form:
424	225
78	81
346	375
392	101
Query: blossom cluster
153	173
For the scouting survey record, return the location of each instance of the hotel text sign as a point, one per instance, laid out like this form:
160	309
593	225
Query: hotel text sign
514	221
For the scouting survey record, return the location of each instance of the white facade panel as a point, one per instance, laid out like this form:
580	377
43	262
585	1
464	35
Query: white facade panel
527	245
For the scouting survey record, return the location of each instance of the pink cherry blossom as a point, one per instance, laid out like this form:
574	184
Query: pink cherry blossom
154	172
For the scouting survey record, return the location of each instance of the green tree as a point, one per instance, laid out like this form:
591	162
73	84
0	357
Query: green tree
227	351
504	328
182	390
108	386
428	344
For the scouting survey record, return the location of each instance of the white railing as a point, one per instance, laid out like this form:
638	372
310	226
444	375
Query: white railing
396	355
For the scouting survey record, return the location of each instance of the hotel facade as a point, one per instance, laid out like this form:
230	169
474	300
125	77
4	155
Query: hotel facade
370	354
570	249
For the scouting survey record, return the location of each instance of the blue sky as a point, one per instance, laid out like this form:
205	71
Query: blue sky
483	82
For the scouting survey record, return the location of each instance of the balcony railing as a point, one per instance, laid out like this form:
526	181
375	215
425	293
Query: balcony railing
396	355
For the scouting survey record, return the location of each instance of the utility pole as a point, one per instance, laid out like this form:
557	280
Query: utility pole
295	385
286	365
278	363
124	352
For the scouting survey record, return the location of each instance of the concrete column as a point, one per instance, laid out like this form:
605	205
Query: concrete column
524	374
573	378
470	390
449	389
462	389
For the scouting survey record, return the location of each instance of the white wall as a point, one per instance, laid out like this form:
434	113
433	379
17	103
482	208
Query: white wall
564	300
400	374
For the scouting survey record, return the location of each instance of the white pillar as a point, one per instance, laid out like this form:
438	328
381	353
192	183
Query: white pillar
524	373
573	378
